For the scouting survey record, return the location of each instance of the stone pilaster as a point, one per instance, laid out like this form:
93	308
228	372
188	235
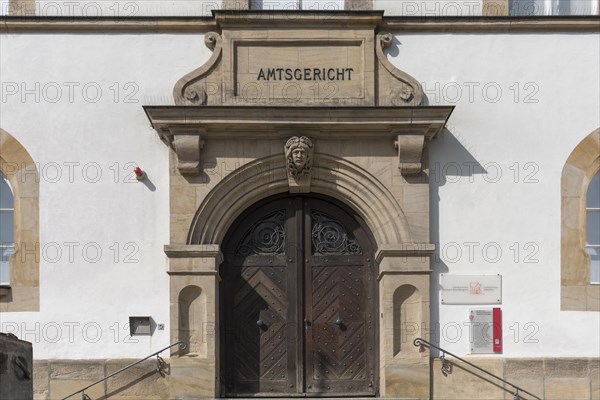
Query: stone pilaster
358	5
194	287
404	308
236	4
21	8
495	8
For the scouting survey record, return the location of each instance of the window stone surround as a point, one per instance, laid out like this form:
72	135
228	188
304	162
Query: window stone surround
348	4
496	8
577	293
20	170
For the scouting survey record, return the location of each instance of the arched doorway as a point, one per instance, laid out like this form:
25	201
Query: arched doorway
298	301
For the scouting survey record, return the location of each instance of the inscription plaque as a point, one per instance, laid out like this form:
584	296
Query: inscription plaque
299	72
471	289
316	60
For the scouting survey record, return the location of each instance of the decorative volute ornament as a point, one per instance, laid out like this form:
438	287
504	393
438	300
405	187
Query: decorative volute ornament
403	89
299	154
328	76
267	68
191	89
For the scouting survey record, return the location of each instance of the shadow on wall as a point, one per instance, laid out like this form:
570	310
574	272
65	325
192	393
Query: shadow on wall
449	161
394	50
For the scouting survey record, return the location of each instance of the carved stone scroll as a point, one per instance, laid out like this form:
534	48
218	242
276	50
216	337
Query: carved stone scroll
299	156
188	148
403	89
191	89
410	151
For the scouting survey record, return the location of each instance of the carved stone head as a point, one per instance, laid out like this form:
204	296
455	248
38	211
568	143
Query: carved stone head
299	154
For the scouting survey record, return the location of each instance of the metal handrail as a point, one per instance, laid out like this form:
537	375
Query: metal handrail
159	367
447	367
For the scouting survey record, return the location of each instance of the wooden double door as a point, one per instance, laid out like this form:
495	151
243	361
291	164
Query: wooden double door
298	301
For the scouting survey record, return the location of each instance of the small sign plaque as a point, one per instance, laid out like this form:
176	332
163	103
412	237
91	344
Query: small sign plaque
486	331
471	289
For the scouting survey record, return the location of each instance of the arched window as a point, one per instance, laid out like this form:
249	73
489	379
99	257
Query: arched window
531	8
580	227
275	4
308	5
19	228
7	229
592	238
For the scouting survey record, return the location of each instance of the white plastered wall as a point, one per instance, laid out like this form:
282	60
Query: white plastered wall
429	8
523	102
75	103
125	8
530	128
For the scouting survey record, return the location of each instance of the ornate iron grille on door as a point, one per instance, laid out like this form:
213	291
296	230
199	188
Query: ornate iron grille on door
298	300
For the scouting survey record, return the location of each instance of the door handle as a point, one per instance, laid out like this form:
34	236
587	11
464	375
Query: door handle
306	324
340	324
261	323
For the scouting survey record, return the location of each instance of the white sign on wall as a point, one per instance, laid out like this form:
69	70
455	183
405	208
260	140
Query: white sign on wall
471	289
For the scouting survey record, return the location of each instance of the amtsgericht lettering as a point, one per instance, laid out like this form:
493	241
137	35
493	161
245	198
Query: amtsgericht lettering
305	74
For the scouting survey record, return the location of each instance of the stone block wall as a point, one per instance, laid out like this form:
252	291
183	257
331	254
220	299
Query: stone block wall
547	378
56	379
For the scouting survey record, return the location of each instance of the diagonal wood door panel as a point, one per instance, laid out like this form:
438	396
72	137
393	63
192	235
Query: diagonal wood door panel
259	353
340	344
340	337
256	295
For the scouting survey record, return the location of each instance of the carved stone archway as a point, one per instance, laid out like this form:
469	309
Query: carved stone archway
364	134
355	161
332	176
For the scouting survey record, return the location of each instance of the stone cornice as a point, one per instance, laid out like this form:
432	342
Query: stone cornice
16	24
194	251
411	273
546	24
185	128
405	250
200	273
403	272
237	122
